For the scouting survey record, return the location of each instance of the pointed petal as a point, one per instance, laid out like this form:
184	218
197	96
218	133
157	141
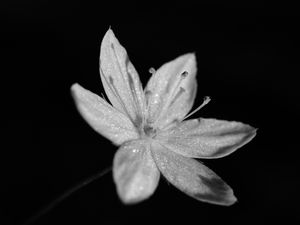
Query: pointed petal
102	117
135	172
171	90
207	138
120	79
192	177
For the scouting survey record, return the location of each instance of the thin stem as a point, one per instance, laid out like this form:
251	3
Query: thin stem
65	195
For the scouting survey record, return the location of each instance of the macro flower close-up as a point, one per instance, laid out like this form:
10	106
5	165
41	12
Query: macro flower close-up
152	128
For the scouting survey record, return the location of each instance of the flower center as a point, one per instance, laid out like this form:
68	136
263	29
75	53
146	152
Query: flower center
149	131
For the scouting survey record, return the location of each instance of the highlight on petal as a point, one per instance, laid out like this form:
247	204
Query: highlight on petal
135	173
171	91
207	138
192	177
120	79
102	117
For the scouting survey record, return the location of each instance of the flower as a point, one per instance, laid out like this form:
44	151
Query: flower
150	129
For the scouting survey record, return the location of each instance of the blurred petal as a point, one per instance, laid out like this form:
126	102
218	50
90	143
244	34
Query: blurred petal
135	172
120	79
171	91
102	117
192	177
206	138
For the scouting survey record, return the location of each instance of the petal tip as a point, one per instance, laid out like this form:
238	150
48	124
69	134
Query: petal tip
219	192
231	199
74	89
109	35
251	133
127	200
191	59
130	197
110	31
74	86
190	56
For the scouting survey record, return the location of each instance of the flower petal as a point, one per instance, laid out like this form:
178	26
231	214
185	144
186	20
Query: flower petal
102	117
171	91
135	172
120	79
192	177
207	138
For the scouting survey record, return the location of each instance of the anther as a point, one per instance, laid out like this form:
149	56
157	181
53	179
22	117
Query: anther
184	74
152	70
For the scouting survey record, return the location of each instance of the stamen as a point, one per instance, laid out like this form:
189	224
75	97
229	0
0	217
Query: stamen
130	80
138	121
183	75
175	93
131	85
111	80
113	89
206	100
134	95
180	92
103	97
147	96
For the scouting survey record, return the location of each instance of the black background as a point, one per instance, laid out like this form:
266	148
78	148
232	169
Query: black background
248	63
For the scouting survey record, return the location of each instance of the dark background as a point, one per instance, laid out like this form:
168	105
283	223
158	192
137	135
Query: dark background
248	62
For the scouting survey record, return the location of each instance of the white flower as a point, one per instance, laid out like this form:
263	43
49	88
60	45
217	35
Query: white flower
149	127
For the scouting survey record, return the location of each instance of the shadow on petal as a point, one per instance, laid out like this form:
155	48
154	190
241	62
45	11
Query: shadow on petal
192	177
